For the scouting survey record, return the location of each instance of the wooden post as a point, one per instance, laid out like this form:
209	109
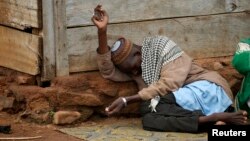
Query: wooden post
55	53
48	64
62	63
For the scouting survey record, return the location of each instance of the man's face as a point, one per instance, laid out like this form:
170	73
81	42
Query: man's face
132	64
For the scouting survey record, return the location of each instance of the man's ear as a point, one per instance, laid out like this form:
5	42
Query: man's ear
138	47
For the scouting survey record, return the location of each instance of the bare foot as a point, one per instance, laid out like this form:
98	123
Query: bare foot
220	123
237	118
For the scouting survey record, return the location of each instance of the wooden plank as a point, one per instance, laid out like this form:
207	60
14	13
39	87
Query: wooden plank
20	14
201	37
49	63
62	63
55	52
20	51
79	12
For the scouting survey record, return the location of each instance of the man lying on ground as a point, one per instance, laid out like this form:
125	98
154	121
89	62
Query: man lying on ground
177	94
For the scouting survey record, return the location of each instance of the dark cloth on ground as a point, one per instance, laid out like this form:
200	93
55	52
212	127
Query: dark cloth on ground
169	117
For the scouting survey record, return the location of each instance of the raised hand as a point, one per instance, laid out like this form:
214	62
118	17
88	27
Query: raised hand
100	18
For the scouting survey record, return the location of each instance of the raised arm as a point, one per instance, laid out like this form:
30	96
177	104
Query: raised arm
105	65
100	19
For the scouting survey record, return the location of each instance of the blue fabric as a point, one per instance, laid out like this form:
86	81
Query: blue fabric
203	95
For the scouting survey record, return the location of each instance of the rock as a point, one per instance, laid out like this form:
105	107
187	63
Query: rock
93	82
1	104
22	80
226	62
40	118
24	92
56	96
6	102
7	92
66	117
70	98
85	111
9	102
217	66
109	92
38	104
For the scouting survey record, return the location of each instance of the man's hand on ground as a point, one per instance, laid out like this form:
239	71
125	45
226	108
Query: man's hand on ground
115	107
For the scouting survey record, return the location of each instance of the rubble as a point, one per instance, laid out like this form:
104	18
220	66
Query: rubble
65	117
85	94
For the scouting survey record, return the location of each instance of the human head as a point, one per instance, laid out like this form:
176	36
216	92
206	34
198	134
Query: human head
126	56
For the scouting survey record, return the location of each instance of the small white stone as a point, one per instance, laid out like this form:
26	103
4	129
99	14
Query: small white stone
106	109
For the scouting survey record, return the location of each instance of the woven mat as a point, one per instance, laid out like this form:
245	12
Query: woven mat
128	132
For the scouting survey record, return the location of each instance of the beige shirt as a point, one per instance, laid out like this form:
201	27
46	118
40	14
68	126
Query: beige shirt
174	75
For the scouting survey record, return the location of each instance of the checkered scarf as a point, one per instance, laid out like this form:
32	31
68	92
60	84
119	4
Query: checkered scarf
156	52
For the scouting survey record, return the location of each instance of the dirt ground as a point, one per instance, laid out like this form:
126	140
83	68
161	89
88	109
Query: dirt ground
49	132
20	128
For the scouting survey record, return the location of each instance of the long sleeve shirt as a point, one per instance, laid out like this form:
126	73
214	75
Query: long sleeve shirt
174	75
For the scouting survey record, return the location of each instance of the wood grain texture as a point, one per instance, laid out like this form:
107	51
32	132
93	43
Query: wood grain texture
20	51
21	14
200	37
55	52
49	59
62	63
79	12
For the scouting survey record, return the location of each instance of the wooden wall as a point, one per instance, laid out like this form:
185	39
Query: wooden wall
203	28
20	50
20	13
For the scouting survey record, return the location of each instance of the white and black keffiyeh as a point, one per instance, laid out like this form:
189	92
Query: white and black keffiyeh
156	52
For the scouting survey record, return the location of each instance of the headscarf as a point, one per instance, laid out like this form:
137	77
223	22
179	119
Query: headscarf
241	62
156	52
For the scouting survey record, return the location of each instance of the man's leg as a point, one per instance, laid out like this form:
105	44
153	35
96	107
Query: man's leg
169	116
